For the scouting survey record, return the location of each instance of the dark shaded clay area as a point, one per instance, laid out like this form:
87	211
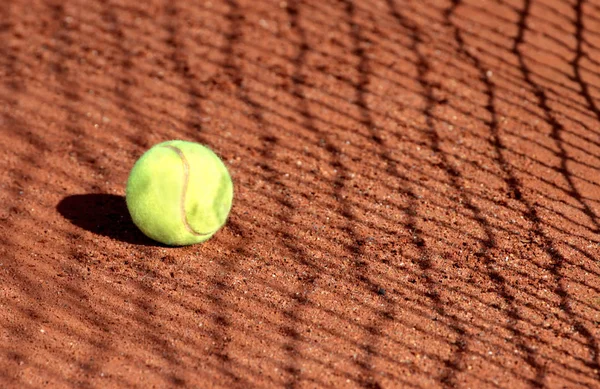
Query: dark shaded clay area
417	194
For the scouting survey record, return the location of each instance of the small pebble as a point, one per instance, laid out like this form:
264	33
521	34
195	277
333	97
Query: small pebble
381	292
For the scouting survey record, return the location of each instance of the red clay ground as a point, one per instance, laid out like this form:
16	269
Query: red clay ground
417	193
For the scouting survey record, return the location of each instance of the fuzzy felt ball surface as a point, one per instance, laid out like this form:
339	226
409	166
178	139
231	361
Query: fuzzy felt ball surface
179	193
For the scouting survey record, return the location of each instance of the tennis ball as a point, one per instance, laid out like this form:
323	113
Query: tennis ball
179	193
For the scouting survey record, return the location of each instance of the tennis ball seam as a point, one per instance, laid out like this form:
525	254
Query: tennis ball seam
186	175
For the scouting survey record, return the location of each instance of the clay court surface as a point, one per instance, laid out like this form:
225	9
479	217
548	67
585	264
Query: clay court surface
417	194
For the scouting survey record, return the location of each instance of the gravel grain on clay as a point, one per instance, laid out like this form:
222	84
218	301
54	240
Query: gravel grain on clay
417	194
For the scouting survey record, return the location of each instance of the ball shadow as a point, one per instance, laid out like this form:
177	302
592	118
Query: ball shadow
103	214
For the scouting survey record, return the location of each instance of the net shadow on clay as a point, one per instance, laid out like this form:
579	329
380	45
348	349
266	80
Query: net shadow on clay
152	289
558	260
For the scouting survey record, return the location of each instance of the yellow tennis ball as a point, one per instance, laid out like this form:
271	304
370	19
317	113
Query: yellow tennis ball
179	193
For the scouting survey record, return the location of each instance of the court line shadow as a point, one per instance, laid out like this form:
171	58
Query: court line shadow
103	214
